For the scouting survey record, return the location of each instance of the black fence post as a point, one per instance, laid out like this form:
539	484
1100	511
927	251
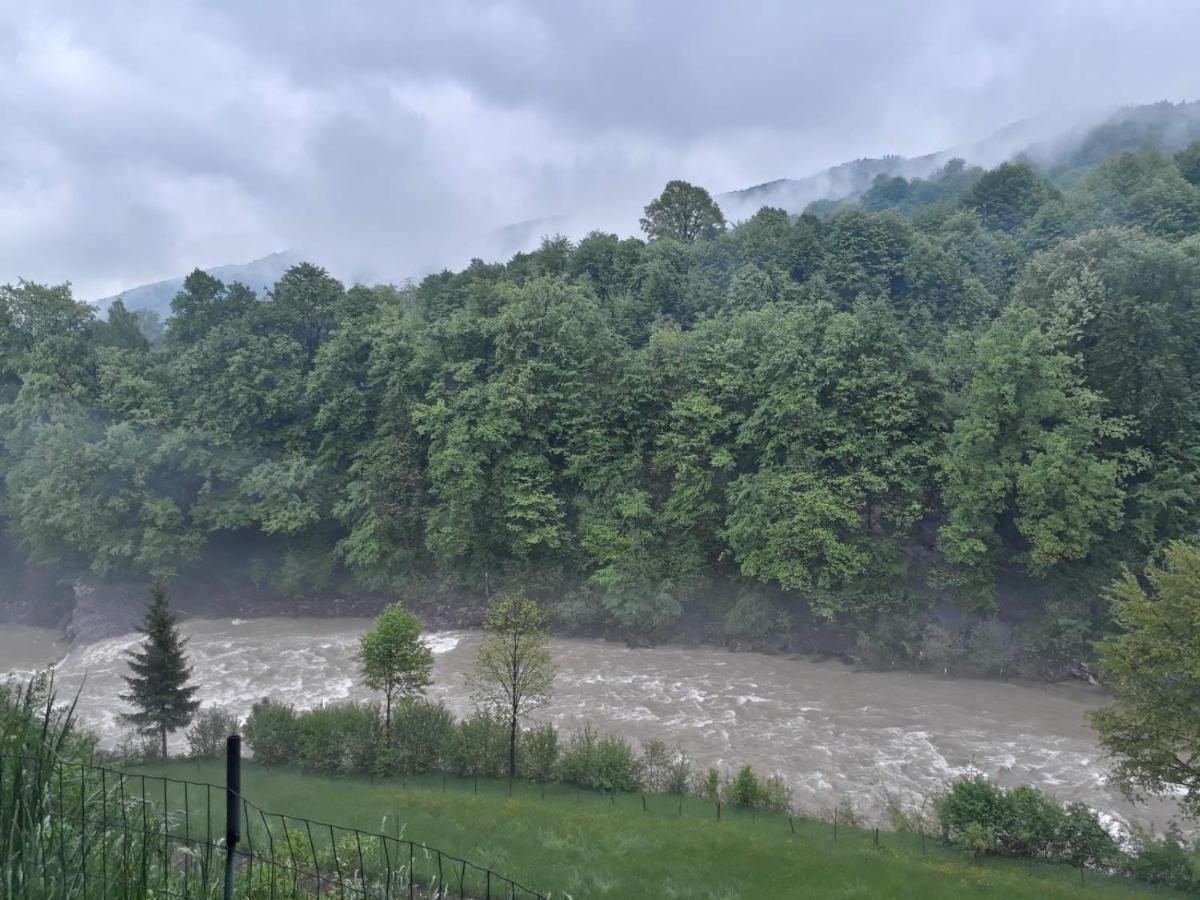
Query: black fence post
233	796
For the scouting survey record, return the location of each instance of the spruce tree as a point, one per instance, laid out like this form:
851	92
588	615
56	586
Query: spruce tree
159	686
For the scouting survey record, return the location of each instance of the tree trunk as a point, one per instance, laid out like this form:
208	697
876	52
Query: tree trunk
387	717
163	730
512	746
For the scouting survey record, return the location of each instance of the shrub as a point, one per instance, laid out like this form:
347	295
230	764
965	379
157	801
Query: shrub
1063	634
893	639
1164	861
973	801
603	763
1033	822
480	745
655	765
206	737
708	785
617	767
422	737
978	838
776	794
744	789
270	733
1082	840
679	774
339	737
984	818
577	760
941	649
539	753
753	619
992	648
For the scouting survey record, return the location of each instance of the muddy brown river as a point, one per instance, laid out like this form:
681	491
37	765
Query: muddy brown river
831	731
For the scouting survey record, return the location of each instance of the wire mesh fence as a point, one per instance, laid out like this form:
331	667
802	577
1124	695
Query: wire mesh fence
72	830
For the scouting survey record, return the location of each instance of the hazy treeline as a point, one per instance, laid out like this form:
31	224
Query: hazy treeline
946	387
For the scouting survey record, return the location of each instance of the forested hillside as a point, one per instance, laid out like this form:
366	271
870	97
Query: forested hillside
934	420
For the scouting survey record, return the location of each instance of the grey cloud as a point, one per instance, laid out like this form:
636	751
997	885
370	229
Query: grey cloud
385	138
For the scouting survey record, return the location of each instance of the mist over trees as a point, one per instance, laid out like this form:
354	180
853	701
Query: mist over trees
976	391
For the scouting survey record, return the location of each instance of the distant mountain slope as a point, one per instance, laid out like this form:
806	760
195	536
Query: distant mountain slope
1057	144
259	275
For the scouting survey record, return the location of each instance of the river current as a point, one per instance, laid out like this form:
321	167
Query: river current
833	732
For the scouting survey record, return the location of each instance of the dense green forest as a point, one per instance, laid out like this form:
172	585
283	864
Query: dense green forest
934	419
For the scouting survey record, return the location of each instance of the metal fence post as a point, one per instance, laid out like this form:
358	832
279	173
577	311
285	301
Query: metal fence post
233	808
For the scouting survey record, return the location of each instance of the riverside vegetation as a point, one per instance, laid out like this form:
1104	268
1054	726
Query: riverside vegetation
926	425
513	671
562	840
414	738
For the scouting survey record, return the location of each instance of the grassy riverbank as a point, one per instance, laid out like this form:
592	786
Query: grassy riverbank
587	845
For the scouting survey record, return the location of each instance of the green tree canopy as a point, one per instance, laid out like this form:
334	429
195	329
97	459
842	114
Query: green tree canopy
394	659
1152	732
683	212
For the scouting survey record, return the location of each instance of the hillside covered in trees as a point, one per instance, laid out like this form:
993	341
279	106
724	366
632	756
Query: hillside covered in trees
933	420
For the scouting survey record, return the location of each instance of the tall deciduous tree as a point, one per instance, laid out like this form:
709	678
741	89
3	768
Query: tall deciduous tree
394	659
513	671
683	212
159	688
1153	730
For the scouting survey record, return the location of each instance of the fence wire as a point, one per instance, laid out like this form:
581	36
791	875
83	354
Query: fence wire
72	830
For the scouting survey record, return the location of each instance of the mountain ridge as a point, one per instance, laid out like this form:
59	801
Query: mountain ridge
1045	140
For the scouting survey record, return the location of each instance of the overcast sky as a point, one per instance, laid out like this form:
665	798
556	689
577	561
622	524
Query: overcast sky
141	140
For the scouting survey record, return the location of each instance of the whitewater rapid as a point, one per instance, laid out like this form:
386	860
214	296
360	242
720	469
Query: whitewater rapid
834	733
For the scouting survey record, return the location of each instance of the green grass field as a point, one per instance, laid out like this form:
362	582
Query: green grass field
585	845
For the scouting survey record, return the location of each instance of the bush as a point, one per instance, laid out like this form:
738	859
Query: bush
601	763
1033	822
941	649
1164	861
984	818
708	785
617	767
971	802
422	737
754	619
270	733
1082	840
538	753
576	762
655	765
752	791
893	639
776	794
992	648
679	774
480	745
339	738
743	789
1063	634
210	728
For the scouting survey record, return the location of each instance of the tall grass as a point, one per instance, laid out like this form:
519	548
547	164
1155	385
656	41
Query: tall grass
55	810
